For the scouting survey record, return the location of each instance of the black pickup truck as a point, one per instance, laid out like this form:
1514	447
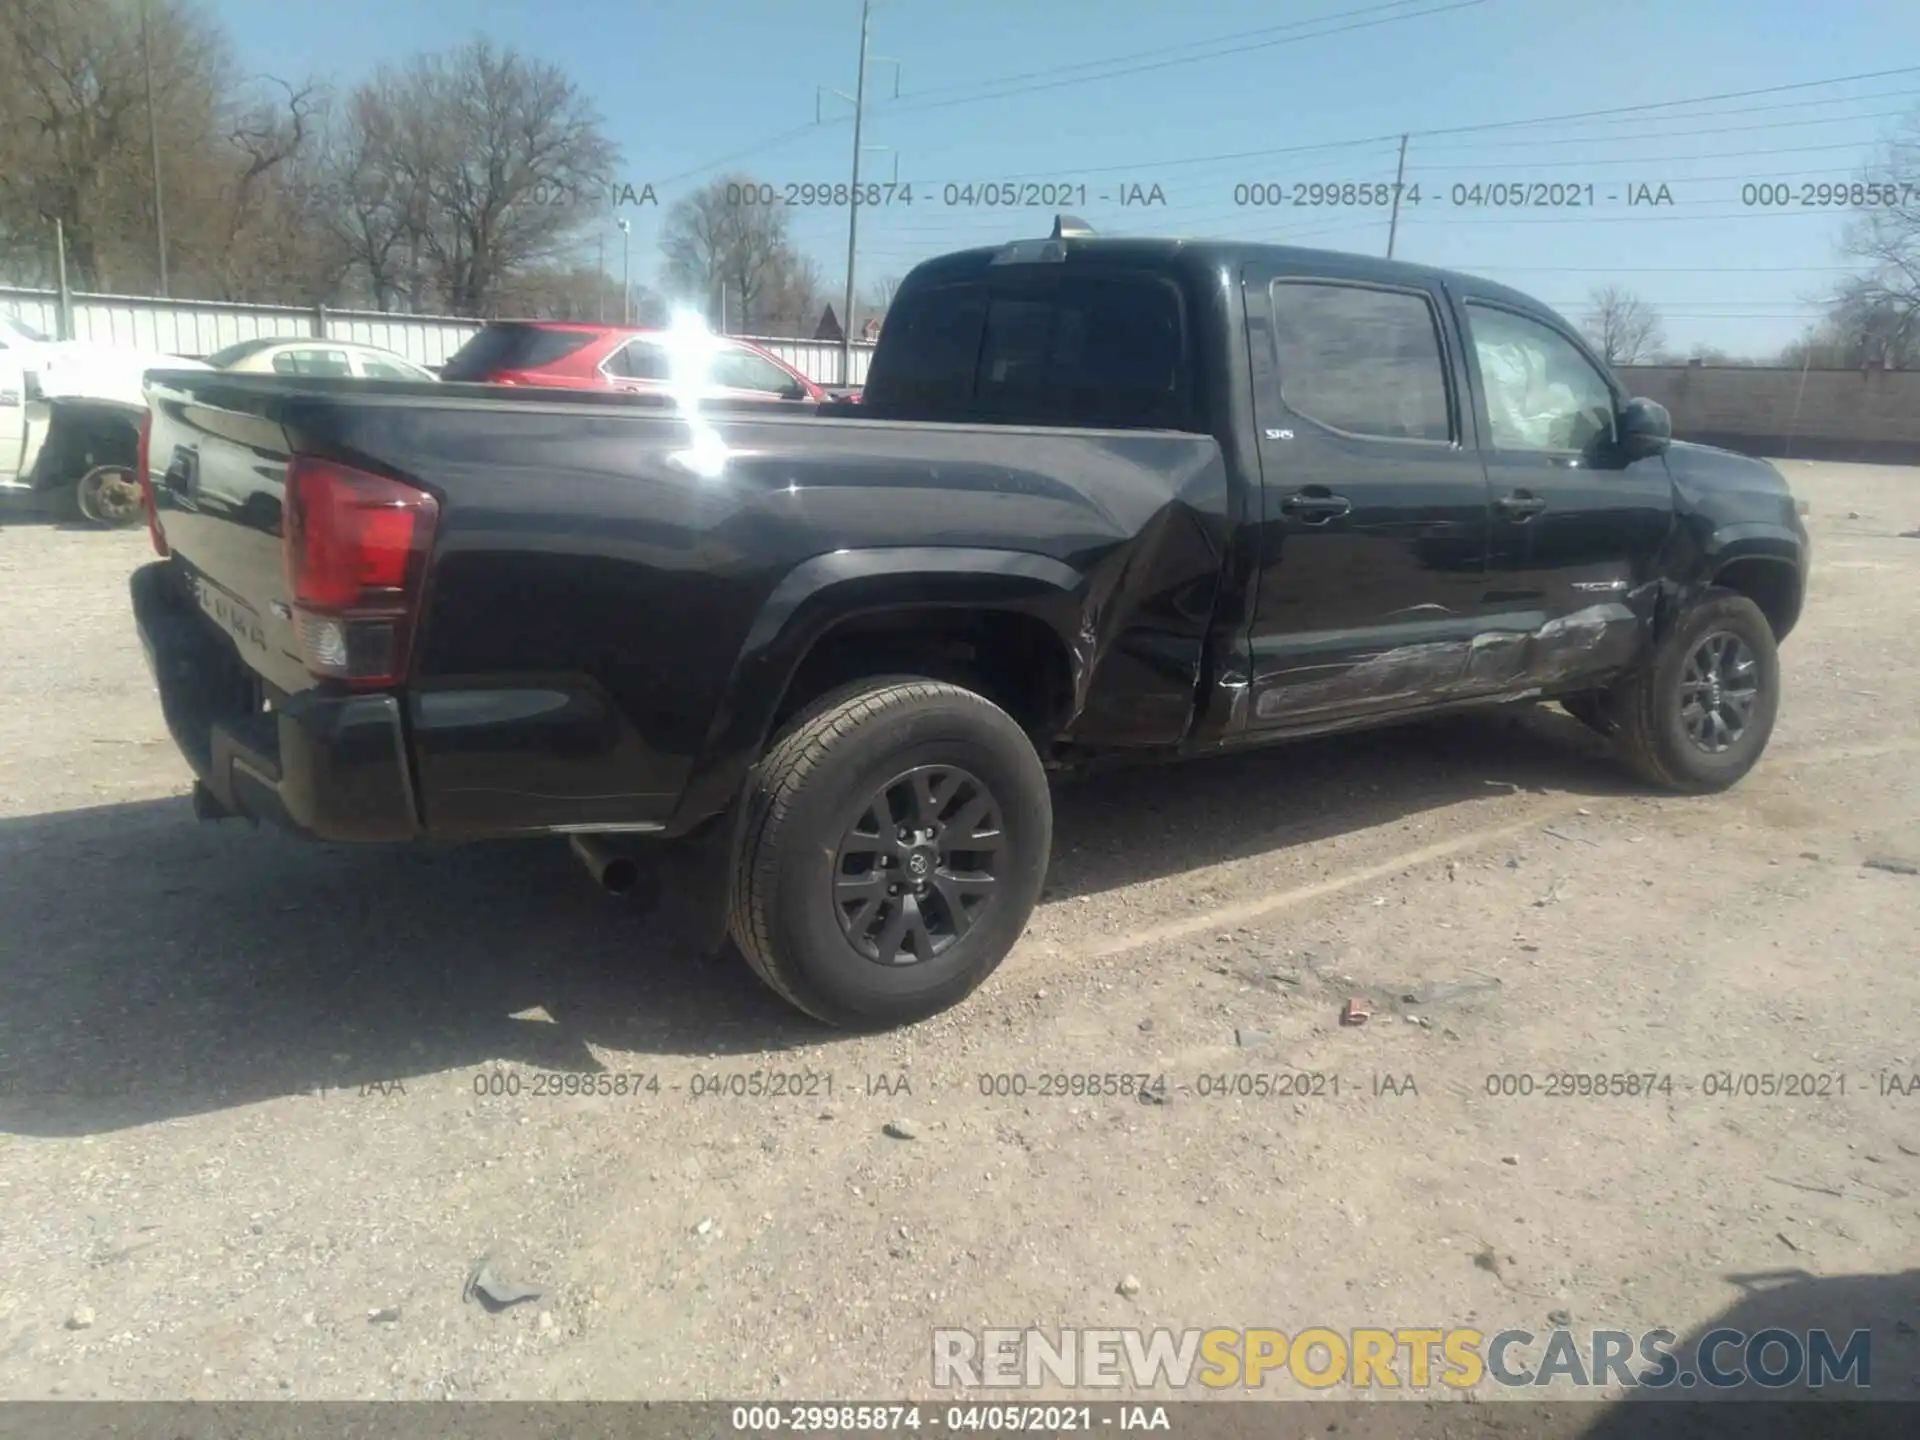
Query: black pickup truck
1101	496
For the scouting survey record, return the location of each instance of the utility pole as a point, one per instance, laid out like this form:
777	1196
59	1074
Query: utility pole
853	197
1399	174
153	140
626	271
600	282
63	312
859	102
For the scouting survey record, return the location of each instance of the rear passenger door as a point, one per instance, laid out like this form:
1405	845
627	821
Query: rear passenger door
1373	530
639	365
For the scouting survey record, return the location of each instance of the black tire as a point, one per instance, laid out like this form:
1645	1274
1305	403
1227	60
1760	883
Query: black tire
63	502
804	801
1646	707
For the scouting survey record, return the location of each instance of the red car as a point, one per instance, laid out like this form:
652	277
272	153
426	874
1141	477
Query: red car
578	356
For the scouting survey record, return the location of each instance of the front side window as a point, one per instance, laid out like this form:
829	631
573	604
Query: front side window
1542	393
734	369
1361	361
379	369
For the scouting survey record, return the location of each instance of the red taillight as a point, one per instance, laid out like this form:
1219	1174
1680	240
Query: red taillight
142	457
356	552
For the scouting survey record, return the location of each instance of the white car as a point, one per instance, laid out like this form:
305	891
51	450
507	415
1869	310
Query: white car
290	355
70	418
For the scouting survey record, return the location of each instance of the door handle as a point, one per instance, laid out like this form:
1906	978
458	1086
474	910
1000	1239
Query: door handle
1315	509
1521	505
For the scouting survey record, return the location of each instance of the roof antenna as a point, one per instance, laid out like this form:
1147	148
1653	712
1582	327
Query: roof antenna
1067	227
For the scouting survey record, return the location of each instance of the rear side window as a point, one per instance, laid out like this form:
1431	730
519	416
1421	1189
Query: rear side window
234	354
928	351
1105	351
1366	362
331	363
512	347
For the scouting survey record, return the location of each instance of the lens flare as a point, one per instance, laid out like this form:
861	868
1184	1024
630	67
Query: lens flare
691	347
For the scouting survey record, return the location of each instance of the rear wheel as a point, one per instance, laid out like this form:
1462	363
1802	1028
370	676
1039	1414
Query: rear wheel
896	840
109	495
1699	715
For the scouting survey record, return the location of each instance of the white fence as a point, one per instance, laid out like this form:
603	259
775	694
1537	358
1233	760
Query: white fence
197	328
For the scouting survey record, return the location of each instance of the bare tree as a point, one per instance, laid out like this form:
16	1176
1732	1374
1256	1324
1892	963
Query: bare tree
576	292
1623	327
874	302
464	169
73	128
721	237
794	299
267	235
1879	313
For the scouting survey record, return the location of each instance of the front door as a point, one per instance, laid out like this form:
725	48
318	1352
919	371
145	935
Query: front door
1576	528
1374	501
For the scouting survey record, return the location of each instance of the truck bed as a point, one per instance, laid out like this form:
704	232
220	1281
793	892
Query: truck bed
617	594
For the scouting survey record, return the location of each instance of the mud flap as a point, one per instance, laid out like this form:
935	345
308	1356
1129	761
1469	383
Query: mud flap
699	870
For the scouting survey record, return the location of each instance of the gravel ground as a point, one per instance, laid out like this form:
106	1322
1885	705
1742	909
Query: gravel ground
254	1135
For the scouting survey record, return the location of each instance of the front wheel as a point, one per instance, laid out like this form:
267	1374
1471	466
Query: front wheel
1698	715
108	495
896	838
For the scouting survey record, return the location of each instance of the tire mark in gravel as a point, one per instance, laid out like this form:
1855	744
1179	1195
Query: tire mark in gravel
1228	916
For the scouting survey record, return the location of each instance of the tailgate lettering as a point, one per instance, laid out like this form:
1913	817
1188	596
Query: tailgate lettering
229	614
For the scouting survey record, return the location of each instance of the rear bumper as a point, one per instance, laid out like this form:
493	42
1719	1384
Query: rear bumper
333	767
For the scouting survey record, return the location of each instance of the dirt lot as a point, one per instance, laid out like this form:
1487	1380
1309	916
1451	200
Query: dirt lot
241	1116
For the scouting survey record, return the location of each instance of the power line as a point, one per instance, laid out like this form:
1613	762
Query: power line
1688	133
772	142
1670	104
1165	64
1162	52
1139	167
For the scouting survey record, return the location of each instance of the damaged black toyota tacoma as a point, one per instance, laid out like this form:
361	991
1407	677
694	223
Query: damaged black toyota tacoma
1101	497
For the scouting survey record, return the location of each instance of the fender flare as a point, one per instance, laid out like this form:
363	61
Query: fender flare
821	592
1752	540
1728	545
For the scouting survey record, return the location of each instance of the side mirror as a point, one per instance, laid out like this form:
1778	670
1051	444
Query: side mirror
1646	429
794	390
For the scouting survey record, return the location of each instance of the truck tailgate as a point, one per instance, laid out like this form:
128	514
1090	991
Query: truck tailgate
218	464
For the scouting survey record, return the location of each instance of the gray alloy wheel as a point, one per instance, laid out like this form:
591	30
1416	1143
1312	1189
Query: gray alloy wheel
1718	687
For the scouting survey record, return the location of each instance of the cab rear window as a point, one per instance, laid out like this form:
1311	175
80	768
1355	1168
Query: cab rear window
1106	351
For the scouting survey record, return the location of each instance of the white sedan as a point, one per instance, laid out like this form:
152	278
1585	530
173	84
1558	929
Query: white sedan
292	355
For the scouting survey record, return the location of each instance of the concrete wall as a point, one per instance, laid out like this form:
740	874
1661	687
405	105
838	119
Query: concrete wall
1870	416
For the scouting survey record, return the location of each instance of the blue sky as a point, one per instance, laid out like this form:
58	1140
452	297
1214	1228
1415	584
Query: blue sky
1126	93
